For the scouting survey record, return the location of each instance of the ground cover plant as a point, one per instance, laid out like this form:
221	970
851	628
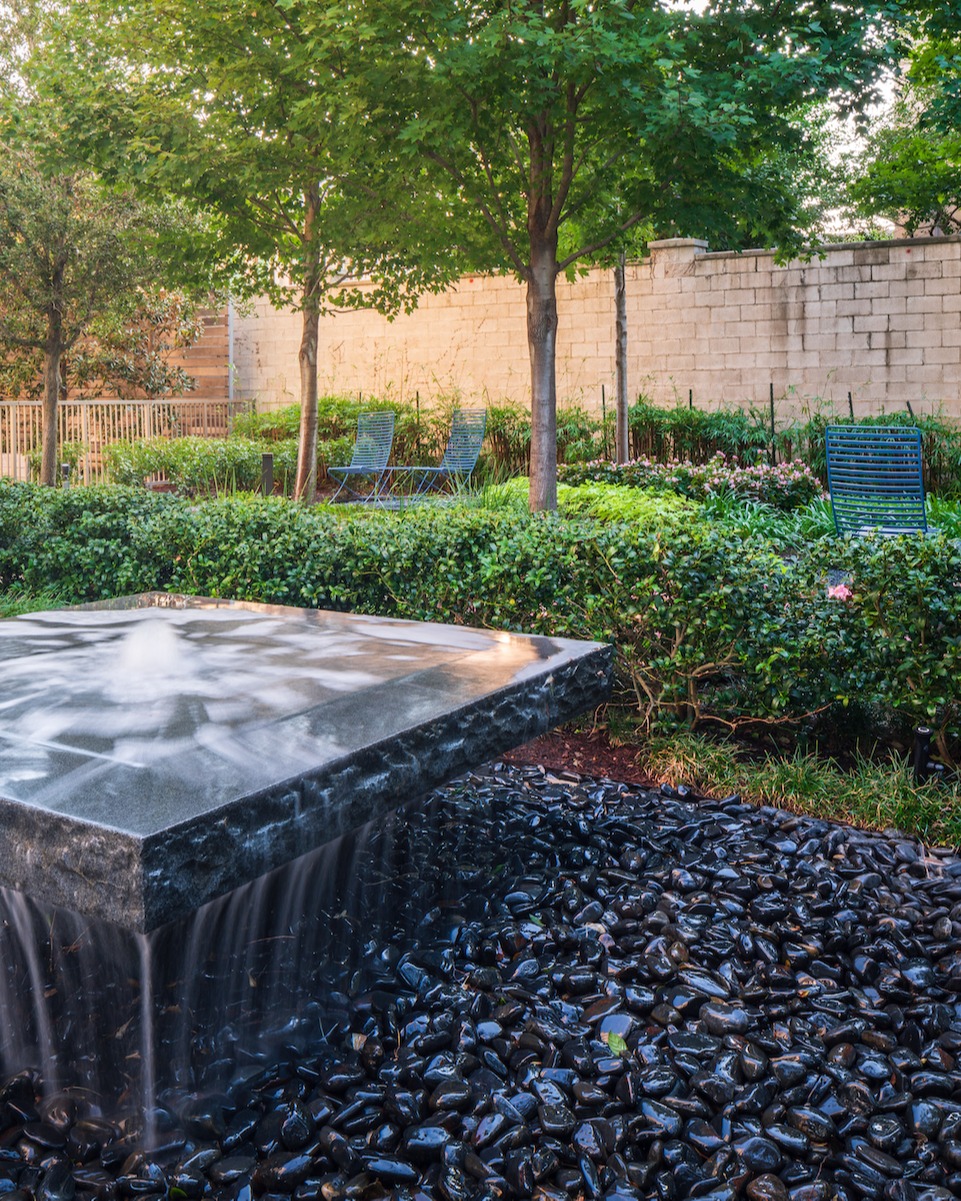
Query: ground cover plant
605	502
863	791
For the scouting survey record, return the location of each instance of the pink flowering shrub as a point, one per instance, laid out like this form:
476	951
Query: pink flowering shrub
784	486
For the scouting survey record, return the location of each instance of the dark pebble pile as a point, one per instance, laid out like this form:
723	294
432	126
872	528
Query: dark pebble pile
618	994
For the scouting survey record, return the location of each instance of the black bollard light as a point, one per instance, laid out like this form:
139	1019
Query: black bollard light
923	766
65	474
267	474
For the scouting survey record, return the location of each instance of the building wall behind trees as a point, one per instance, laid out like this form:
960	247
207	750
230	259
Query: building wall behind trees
881	320
208	360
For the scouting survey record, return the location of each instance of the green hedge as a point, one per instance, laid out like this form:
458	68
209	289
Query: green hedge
709	625
695	435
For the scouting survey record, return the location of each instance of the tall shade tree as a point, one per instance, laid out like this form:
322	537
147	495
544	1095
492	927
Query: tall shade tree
910	172
532	114
234	106
69	247
934	29
911	169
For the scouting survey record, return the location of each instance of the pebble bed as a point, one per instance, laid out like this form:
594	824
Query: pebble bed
609	993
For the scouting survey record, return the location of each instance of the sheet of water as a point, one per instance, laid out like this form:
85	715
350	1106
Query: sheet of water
130	1021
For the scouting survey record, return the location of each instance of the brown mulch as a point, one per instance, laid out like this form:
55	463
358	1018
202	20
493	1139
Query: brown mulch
587	754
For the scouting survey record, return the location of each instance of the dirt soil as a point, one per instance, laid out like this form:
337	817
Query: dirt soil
587	754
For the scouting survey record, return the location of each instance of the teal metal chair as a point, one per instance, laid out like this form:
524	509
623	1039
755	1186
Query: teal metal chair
362	479
875	479
467	430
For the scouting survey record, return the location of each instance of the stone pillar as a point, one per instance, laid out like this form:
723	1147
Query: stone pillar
674	256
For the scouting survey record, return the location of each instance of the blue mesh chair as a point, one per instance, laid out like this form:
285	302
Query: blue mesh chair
460	457
875	479
368	463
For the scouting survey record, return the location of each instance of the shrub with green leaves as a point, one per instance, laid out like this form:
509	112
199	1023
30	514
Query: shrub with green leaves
712	626
581	434
274	425
419	434
69	453
205	466
509	437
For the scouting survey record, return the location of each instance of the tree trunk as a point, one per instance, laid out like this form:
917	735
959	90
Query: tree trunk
305	485
622	447
52	354
542	343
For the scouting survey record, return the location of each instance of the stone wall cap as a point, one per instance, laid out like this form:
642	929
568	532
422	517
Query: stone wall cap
822	249
678	244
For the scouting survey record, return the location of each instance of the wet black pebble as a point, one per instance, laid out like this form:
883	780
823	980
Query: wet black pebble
577	988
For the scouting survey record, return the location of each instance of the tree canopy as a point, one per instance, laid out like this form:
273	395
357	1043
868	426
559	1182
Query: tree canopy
910	173
554	127
407	140
79	258
234	107
911	170
73	253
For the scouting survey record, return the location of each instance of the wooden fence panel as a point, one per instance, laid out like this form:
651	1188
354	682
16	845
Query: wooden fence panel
94	424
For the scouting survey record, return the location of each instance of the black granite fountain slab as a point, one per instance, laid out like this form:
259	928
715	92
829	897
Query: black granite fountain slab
158	751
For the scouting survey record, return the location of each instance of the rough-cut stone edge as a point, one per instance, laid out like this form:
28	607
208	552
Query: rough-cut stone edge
196	861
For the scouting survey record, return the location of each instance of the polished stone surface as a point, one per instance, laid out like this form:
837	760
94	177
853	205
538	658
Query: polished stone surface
158	751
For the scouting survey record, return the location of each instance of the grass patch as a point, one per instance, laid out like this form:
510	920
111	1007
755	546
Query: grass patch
15	601
875	795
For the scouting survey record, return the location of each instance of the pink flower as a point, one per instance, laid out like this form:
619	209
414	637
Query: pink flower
840	592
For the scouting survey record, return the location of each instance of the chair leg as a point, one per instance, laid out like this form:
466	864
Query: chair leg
428	482
343	485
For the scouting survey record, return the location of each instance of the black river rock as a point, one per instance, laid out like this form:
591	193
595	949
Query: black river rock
589	991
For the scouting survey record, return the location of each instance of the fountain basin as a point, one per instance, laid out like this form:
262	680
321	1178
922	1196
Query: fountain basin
159	751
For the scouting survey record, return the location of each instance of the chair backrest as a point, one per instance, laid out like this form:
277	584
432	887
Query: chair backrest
467	427
875	479
375	437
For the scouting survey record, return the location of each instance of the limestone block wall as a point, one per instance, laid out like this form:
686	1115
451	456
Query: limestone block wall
881	320
470	341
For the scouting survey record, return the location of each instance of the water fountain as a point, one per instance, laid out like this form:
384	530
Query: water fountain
196	796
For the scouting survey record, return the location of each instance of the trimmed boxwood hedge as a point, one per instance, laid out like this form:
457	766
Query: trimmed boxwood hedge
708	625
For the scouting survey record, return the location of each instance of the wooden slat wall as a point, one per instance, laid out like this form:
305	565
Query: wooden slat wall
208	361
97	423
